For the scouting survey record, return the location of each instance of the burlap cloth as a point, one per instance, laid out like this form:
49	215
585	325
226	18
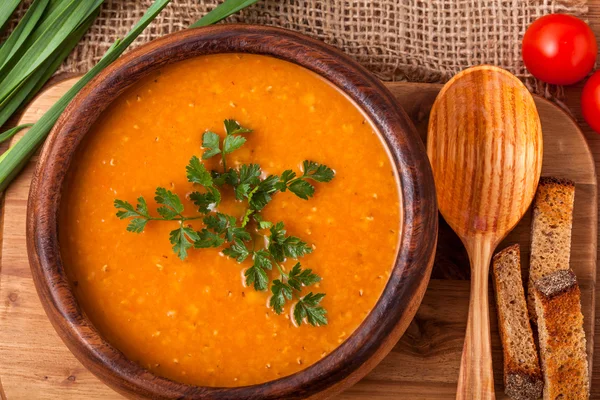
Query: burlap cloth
426	41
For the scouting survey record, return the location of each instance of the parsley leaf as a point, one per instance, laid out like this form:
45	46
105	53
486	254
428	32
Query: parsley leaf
262	196
206	201
232	140
286	177
142	207
231	177
256	274
302	189
281	291
219	179
237	250
218	222
244	179
317	172
281	246
197	173
299	185
259	200
298	277
236	232
232	127
172	206
211	142
262	258
308	307
232	143
127	210
242	190
224	225
182	239
137	225
250	173
139	215
208	239
262	224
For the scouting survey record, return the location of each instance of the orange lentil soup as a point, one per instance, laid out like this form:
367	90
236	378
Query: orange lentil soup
194	321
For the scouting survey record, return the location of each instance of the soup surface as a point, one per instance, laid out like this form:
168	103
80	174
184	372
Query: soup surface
194	321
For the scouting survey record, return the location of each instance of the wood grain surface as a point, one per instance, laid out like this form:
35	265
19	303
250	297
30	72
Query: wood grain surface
485	147
572	102
35	364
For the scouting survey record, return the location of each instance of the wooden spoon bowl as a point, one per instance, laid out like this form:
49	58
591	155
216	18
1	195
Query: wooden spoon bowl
401	297
485	148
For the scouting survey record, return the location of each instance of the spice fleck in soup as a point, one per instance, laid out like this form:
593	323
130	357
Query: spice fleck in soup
193	319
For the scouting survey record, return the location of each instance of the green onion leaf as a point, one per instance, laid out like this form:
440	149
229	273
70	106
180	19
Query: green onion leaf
222	11
22	31
13	131
7	8
44	47
29	88
54	62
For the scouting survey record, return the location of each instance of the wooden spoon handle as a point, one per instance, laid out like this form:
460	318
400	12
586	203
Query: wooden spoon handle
476	379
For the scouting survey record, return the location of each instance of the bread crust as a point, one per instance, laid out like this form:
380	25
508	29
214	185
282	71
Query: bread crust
522	374
550	180
550	232
561	335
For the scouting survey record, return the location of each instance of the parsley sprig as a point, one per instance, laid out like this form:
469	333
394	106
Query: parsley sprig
171	209
239	237
233	141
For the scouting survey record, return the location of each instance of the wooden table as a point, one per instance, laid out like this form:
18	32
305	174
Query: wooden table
573	103
573	95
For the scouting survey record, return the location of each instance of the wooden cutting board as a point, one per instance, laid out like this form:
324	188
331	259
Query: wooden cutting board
35	364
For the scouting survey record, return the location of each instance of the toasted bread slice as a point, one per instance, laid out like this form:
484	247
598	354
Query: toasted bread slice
550	231
562	338
522	374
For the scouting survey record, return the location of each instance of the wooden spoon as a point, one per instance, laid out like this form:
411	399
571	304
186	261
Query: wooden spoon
485	148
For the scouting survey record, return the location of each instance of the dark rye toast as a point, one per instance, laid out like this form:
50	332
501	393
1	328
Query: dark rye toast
522	374
561	336
550	231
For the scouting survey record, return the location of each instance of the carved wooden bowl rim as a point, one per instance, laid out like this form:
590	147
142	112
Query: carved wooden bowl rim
408	280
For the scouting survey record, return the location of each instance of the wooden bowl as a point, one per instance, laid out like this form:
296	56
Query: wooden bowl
382	328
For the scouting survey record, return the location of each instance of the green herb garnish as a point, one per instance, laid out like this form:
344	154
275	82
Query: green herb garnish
242	238
43	38
7	8
222	11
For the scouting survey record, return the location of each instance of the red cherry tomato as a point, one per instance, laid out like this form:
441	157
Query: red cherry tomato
590	101
559	49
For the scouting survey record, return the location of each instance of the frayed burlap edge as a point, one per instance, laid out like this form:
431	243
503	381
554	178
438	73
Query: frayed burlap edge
397	40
